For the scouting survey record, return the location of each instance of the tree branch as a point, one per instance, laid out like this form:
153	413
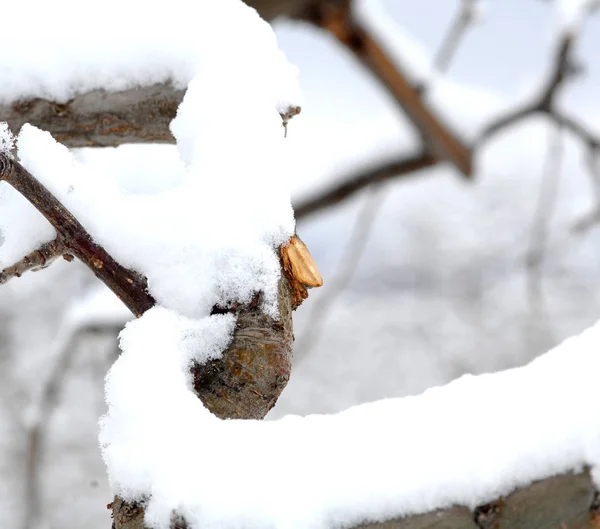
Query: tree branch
100	118
405	166
460	24
246	382
544	102
336	17
129	286
564	501
36	260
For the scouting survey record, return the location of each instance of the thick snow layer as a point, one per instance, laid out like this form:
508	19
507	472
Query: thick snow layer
222	209
371	462
143	45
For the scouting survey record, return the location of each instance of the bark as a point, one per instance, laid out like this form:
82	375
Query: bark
568	501
100	118
245	383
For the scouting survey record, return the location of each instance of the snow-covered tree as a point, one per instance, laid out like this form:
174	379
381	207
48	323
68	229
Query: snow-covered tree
206	257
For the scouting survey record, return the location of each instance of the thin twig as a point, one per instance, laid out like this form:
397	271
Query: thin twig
42	412
348	265
544	210
456	32
130	287
406	165
41	258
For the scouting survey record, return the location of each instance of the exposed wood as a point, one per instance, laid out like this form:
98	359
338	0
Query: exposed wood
298	261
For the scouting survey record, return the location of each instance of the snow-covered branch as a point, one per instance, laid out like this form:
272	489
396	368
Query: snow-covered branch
74	240
380	461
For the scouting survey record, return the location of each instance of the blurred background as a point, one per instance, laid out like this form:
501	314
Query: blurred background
428	275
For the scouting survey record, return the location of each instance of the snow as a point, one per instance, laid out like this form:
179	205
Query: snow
466	317
371	462
224	208
146	46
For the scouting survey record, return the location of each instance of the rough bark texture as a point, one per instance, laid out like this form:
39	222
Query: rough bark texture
561	502
247	381
244	384
568	501
100	118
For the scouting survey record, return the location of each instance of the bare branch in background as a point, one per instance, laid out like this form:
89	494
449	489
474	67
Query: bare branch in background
543	103
562	69
592	218
461	23
406	165
336	17
548	195
43	409
36	260
106	119
352	254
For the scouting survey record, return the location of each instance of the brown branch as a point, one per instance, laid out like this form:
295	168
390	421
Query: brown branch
564	501
544	102
336	17
36	260
129	286
247	380
351	184
245	383
100	118
106	119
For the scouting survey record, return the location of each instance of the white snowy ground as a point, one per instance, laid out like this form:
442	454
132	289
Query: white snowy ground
441	289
